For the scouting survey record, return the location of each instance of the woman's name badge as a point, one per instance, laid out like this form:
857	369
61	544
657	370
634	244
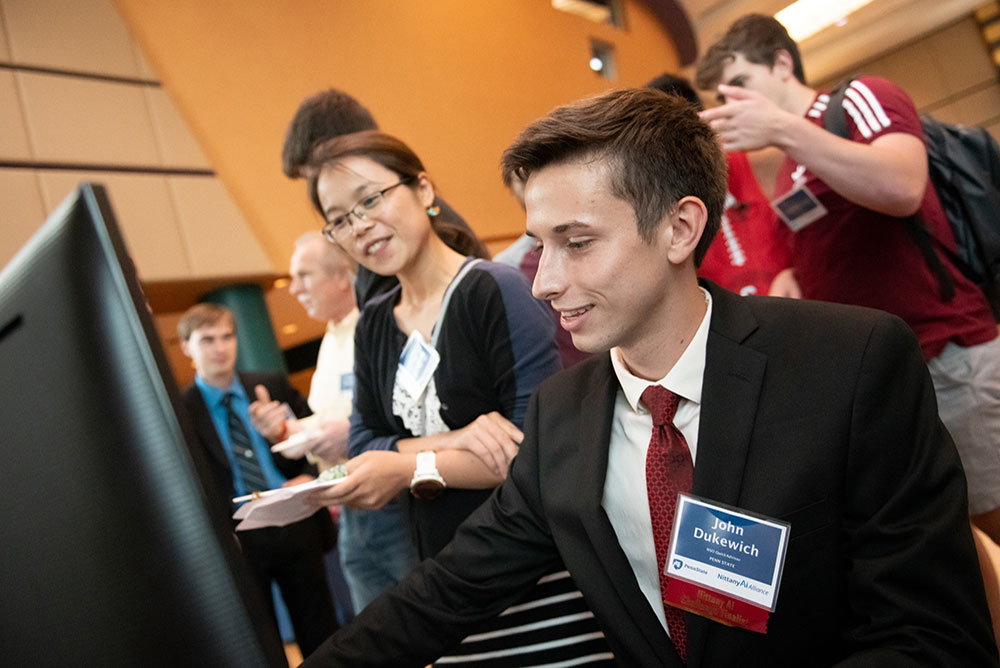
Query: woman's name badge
724	563
798	208
416	365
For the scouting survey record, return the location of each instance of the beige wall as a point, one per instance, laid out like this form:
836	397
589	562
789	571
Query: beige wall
78	98
455	79
80	86
948	73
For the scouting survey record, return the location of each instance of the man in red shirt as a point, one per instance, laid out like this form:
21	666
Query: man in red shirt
846	202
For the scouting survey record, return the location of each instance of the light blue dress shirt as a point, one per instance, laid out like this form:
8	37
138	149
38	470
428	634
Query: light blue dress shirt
241	404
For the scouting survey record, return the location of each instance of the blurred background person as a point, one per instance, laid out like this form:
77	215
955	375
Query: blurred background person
751	249
849	202
241	463
375	546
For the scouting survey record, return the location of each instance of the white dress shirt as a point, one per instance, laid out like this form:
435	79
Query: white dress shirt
625	500
331	392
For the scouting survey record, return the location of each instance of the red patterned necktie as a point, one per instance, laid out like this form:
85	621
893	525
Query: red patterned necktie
669	471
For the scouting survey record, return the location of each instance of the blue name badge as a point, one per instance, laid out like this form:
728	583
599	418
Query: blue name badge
416	365
798	208
347	382
728	551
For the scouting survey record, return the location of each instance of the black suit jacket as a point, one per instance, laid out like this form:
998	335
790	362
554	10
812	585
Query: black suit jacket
817	414
218	464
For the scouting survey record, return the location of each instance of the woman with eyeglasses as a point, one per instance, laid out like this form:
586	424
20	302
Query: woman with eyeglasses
444	366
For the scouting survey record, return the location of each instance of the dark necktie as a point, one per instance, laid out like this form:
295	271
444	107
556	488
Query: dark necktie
669	471
246	461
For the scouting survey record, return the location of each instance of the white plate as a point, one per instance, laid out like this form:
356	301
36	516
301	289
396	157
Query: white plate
300	438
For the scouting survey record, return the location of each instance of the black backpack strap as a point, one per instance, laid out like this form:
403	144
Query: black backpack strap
834	120
926	242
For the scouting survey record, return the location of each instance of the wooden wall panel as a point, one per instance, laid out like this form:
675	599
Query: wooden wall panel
71	119
22	207
80	35
144	209
215	235
14	144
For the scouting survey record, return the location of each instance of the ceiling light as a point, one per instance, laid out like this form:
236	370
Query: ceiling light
805	18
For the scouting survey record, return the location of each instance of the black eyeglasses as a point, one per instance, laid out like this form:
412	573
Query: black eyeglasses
340	227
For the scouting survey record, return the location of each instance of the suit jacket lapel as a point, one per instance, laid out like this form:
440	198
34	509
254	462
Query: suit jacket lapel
597	410
204	425
731	386
732	382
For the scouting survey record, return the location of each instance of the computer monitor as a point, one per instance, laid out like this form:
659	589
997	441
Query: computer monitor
112	554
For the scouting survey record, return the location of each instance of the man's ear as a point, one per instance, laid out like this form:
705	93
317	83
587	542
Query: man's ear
185	349
686	225
784	65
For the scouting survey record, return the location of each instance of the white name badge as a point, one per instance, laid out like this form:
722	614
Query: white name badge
727	550
798	208
416	365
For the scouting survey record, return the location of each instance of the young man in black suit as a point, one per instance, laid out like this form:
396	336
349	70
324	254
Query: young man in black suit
291	555
818	415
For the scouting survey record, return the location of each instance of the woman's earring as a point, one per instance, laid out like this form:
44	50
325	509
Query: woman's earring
433	211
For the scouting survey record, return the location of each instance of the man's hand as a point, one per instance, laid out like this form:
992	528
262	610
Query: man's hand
747	121
373	479
491	437
268	416
785	285
329	441
331	444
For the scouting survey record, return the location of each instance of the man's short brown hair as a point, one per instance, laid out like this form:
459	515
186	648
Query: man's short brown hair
758	38
200	315
656	146
320	117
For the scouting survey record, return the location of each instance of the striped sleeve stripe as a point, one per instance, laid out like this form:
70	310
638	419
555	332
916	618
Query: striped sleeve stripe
541	602
865	109
580	660
525	628
527	649
862	106
859	120
873	103
818	107
551	577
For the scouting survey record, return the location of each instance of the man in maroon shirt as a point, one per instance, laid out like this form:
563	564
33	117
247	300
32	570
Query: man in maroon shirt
846	201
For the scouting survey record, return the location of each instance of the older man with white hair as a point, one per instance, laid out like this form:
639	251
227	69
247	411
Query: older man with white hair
376	549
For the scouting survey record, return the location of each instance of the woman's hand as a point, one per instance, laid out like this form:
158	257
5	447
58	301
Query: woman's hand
491	437
373	479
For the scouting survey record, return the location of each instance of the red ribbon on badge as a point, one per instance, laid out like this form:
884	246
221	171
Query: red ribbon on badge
716	606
